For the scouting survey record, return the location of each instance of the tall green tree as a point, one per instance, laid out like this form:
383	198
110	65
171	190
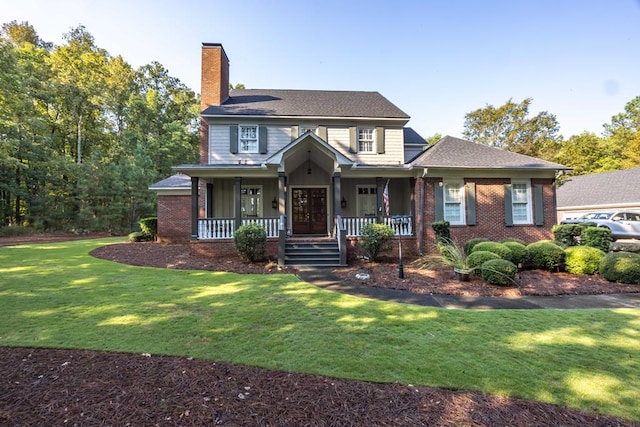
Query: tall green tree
624	133
510	127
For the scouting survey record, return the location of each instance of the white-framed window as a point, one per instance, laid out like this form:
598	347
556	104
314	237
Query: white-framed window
366	140
521	202
251	201
302	129
367	200
453	198
247	139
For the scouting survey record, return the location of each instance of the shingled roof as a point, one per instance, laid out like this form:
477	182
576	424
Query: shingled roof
452	152
306	103
601	189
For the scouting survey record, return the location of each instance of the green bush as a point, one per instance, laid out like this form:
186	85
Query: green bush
375	239
597	237
497	248
250	241
513	239
468	247
622	267
583	259
545	255
476	258
567	234
13	231
138	236
149	227
499	272
518	250
441	229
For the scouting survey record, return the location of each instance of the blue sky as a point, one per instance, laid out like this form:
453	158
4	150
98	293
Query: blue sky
436	60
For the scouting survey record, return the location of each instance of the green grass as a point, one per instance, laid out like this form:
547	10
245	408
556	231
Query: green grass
56	295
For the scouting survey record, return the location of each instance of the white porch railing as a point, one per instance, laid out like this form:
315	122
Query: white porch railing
224	228
352	225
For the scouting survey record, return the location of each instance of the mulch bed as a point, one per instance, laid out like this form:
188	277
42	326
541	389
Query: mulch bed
76	387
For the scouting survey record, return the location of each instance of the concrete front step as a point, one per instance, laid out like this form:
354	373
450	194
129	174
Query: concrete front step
312	253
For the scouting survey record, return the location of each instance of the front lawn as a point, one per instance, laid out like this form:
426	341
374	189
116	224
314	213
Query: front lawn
56	295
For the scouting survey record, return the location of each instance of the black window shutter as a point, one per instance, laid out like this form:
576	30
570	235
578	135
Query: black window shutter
262	139
380	139
233	139
471	203
538	203
438	189
508	208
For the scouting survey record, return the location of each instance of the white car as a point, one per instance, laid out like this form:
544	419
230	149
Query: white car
623	225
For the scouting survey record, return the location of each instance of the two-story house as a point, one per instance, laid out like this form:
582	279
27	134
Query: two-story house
321	164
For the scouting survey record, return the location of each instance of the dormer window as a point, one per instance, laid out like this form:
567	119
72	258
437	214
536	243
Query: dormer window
366	140
248	139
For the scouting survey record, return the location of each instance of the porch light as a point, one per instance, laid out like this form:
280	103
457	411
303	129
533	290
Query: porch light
343	202
309	162
274	203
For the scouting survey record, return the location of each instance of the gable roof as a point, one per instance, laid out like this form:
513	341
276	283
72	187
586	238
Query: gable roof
616	187
277	157
306	103
452	152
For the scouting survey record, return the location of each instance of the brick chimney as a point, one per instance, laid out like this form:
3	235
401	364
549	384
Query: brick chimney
214	88
215	75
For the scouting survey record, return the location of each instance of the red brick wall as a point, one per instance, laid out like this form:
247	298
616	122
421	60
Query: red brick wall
490	219
219	248
174	219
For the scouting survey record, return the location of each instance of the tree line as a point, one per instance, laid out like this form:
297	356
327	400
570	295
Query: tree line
83	134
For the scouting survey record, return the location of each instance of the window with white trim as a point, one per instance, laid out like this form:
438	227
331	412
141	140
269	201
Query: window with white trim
521	202
247	139
453	198
251	201
366	140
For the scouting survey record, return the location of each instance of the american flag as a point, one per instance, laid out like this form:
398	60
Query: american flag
385	198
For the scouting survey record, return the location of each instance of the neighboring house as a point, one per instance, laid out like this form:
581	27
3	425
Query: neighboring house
320	164
599	192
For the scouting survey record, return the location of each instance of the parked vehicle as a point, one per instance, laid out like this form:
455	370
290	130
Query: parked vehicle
623	225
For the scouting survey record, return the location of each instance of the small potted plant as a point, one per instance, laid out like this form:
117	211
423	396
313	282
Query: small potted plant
452	255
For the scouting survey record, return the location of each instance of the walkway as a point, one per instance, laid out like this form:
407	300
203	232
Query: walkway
324	278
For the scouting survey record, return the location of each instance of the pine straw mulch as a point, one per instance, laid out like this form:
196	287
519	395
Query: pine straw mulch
77	387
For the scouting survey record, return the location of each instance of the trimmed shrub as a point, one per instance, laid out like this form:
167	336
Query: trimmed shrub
567	234
622	267
597	237
499	272
518	252
250	241
545	255
583	259
138	236
149	227
476	258
468	247
497	248
441	229
513	239
375	239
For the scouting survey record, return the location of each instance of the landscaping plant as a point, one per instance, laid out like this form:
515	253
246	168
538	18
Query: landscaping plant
250	241
442	231
375	239
622	267
545	255
497	248
477	258
583	259
468	246
499	272
597	237
518	252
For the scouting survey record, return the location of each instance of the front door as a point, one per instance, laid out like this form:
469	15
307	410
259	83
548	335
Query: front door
309	211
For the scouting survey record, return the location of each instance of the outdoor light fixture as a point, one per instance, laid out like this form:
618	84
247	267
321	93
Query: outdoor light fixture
274	203
309	162
343	203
